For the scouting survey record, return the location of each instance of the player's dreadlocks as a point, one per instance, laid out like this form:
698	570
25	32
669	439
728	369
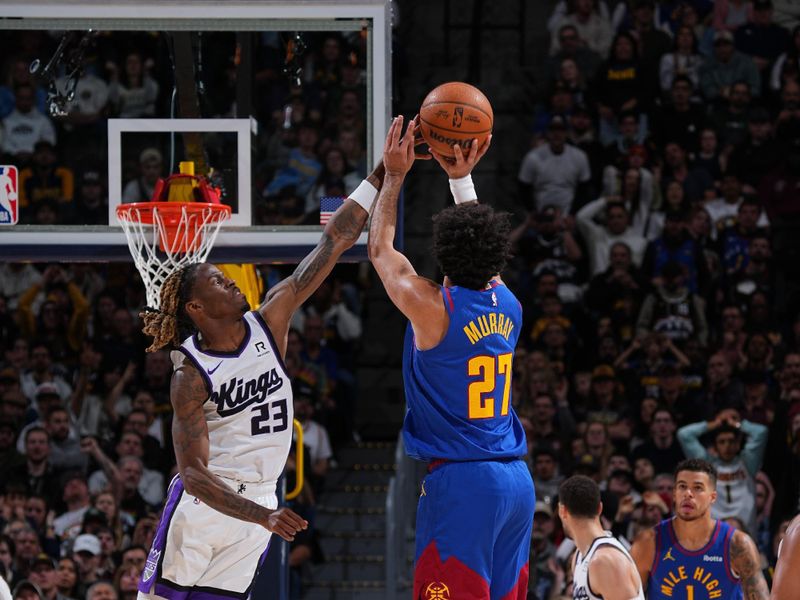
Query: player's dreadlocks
170	324
471	243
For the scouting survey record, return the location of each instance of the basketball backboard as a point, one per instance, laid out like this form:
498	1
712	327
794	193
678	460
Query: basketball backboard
233	86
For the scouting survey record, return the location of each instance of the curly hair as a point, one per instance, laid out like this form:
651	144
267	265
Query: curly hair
471	243
170	324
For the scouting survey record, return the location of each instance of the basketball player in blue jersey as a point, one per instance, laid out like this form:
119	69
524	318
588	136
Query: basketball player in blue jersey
692	556
232	424
476	506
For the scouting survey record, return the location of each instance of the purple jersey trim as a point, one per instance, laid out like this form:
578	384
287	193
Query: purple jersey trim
156	556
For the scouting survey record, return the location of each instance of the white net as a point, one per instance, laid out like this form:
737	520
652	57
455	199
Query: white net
180	234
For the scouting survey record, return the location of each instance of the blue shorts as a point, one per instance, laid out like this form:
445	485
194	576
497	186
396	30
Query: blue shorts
474	523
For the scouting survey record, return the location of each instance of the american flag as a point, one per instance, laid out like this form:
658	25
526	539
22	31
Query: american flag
328	206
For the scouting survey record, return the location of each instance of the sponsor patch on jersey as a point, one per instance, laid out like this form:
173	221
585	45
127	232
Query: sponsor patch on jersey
151	565
707	558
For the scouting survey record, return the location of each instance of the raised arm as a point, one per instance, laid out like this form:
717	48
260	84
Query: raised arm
418	298
612	575
746	563
340	233
190	435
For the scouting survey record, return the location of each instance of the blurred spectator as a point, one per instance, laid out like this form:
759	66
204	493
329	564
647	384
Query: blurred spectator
661	448
335	167
302	168
19	73
621	85
592	26
25	126
570	48
43	574
620	282
697	183
617	228
681	120
729	15
730	120
762	39
91	202
555	173
133	94
101	590
86	552
67	578
42	371
38	474
75	498
677	245
734	241
683	61
726	67
672	309
736	466
44	180
545	242
315	437
150	169
546	476
652	43
758	154
787	66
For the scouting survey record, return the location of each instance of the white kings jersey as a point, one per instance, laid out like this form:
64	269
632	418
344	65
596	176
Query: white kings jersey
581	589
249	409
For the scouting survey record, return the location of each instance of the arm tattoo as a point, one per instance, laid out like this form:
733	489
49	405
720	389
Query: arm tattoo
745	561
190	436
312	264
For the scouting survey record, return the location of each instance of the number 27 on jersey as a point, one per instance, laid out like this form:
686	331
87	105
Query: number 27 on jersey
482	391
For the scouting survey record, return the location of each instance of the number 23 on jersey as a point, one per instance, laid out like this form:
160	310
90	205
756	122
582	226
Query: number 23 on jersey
482	391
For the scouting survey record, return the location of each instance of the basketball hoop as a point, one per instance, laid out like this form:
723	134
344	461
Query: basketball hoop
165	236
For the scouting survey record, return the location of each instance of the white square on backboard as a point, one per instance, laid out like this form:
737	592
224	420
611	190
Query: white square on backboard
116	127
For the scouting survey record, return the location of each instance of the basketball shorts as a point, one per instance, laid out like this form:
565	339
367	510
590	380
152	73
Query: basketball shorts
200	554
474	523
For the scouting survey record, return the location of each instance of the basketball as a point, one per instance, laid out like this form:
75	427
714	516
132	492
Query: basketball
455	113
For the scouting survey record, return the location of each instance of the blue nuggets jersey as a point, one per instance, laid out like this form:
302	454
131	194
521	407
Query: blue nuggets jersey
458	394
703	574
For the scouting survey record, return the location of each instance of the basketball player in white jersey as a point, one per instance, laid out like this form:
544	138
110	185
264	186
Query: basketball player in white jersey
603	569
232	424
784	582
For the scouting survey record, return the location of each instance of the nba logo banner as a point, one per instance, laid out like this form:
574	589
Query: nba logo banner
327	206
9	202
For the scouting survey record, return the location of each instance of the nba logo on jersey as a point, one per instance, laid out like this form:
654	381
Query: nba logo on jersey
9	203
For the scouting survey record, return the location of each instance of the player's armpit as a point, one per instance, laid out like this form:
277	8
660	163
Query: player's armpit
612	576
188	392
643	553
341	232
746	563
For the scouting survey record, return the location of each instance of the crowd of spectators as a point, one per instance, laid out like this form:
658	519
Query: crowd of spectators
655	266
310	138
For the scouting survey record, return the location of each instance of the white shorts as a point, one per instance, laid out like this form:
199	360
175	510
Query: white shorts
199	553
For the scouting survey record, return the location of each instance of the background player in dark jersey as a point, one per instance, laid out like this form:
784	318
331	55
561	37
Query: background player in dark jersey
602	568
784	583
695	557
476	507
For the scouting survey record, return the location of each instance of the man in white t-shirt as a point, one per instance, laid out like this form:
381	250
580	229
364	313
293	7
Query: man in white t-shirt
599	238
723	210
25	125
553	172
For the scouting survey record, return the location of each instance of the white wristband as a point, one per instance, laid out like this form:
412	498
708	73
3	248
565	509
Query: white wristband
463	190
364	195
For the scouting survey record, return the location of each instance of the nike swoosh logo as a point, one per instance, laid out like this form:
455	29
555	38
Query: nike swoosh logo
211	371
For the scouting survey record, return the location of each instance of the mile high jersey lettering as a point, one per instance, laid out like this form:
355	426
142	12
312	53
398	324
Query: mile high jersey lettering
249	408
458	394
704	574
